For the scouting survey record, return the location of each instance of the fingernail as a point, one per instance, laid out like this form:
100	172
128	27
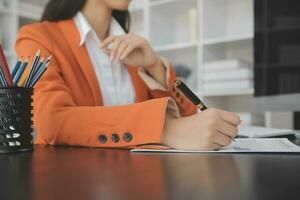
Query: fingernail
111	58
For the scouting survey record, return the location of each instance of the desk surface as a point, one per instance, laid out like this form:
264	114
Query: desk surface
54	173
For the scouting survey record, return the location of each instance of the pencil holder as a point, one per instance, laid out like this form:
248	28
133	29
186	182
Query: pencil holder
16	120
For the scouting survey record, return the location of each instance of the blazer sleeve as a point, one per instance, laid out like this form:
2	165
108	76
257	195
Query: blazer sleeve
58	120
186	107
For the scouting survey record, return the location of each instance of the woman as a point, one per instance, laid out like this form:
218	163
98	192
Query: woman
106	87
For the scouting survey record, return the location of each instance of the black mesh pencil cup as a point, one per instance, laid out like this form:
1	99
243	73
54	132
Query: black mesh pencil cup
16	119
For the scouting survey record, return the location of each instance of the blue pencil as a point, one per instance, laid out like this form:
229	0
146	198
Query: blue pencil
2	77
41	66
38	76
33	67
16	68
2	80
20	72
38	66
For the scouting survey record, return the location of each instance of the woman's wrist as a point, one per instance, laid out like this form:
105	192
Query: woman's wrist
158	72
155	64
168	129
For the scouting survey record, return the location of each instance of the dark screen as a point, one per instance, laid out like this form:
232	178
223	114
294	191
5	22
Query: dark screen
277	47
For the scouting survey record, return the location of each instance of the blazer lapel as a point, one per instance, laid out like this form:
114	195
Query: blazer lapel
71	34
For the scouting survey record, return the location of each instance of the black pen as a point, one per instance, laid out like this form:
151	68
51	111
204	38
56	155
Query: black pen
183	88
180	86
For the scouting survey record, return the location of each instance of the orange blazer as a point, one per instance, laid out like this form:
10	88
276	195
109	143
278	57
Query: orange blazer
68	107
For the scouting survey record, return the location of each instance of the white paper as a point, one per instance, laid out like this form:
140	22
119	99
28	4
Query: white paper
243	145
260	132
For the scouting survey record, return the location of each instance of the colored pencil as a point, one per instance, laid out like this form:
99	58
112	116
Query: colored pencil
20	72
38	76
20	77
2	79
39	65
40	71
16	68
5	67
33	67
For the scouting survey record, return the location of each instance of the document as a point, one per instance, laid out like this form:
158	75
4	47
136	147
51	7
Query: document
243	145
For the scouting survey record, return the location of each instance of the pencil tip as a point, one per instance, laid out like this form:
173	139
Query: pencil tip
38	52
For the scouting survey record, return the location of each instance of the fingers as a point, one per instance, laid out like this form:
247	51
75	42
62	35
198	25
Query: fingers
106	51
120	51
224	123
221	139
212	147
114	50
227	128
108	41
127	51
230	117
122	46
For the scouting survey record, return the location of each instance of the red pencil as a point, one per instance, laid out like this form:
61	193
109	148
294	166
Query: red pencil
5	67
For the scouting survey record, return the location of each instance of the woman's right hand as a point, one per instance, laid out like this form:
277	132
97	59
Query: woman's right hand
208	130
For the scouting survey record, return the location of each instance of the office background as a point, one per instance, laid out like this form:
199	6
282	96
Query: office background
202	38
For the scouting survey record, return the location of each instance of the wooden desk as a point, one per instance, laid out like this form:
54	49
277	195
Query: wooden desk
70	173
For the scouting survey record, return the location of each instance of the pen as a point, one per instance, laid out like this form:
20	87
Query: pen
183	88
188	93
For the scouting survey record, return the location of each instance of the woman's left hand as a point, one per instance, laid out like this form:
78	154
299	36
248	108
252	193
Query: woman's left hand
131	50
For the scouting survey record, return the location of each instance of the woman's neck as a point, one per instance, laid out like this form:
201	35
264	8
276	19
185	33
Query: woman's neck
99	17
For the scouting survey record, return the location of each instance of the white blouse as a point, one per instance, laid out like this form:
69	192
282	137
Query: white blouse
116	86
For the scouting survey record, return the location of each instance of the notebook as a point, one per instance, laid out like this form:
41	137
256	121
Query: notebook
260	132
243	145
